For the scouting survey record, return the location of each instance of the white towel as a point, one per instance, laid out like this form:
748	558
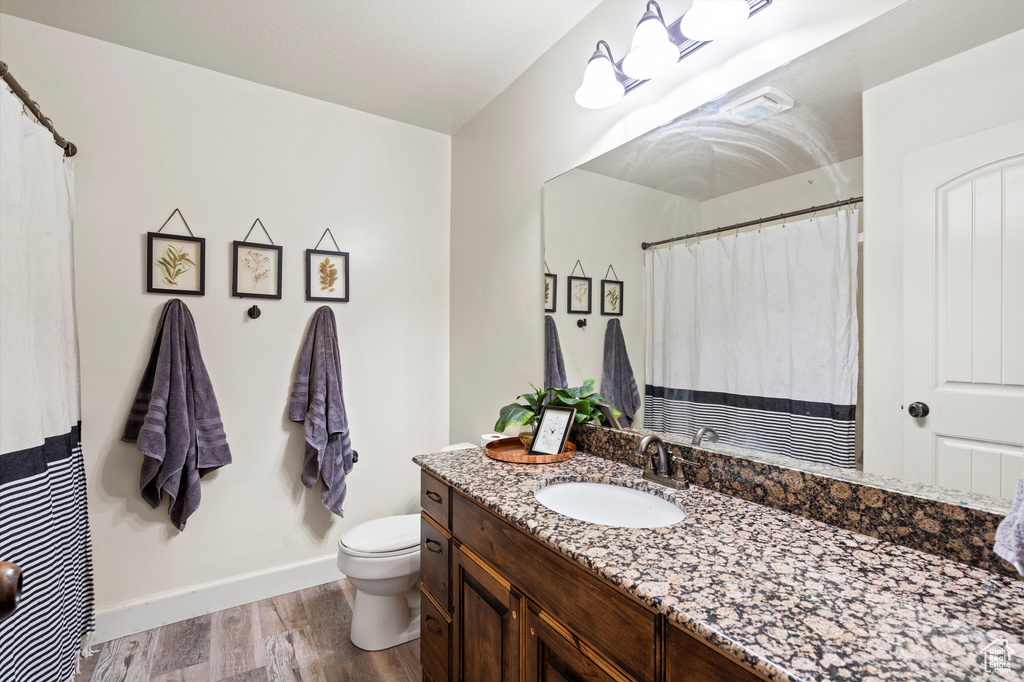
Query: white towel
1010	534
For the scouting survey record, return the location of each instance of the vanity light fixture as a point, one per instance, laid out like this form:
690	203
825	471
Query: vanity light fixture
657	46
652	52
601	86
711	19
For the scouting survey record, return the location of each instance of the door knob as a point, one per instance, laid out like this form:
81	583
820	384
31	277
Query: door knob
918	410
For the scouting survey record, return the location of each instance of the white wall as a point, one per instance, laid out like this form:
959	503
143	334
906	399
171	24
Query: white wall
972	91
601	221
155	134
534	131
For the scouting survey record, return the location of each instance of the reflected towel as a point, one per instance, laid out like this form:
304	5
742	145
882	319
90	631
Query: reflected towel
554	365
175	420
618	387
318	402
1010	534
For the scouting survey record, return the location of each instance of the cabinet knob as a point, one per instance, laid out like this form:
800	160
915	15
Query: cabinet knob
918	410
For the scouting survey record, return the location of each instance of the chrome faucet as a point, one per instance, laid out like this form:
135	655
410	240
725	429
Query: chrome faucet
712	435
664	470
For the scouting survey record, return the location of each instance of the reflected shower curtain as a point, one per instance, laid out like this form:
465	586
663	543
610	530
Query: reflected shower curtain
43	516
755	335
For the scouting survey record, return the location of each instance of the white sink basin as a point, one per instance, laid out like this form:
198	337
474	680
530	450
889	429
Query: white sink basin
609	505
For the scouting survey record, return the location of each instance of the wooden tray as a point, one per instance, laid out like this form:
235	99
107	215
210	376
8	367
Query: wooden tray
513	450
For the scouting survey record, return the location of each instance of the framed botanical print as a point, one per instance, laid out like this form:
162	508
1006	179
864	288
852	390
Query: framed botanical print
552	430
326	276
256	271
175	264
611	297
550	292
578	295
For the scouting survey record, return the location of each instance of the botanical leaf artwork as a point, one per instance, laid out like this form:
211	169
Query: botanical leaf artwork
328	275
579	292
547	292
612	294
258	266
174	262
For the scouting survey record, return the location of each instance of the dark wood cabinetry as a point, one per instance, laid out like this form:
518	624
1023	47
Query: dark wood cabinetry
499	606
487	623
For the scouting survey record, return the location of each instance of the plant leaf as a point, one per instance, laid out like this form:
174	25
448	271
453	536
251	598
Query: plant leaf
514	415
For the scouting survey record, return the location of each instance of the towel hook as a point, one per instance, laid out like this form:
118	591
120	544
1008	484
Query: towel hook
253	312
581	323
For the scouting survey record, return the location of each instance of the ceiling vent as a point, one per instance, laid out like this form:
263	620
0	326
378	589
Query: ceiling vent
756	106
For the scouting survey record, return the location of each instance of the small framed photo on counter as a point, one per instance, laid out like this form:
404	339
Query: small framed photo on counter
552	430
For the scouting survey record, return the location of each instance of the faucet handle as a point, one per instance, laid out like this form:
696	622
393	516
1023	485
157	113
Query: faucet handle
677	467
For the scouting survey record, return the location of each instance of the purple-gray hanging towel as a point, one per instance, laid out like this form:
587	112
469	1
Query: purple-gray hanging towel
318	402
175	421
618	387
1010	534
554	365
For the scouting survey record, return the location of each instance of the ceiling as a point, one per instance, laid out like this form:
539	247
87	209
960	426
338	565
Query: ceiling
431	63
701	156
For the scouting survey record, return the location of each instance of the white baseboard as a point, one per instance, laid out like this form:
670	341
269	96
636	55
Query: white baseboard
137	616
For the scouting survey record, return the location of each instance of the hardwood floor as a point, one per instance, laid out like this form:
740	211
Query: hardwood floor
297	637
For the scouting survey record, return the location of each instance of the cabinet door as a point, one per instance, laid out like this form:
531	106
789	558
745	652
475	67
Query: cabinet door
692	661
554	654
487	619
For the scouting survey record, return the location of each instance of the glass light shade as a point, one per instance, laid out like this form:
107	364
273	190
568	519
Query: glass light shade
600	87
711	19
652	53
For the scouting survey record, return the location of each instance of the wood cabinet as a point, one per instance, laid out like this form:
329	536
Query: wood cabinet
487	623
500	606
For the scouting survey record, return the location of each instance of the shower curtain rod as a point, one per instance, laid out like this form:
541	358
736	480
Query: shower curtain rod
749	223
69	148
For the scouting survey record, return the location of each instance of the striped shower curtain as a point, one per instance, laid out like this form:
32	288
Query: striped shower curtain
43	519
755	335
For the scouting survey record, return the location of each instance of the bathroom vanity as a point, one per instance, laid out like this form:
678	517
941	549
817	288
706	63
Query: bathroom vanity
736	591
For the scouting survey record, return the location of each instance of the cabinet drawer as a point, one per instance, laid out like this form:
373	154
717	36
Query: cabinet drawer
611	621
435	499
434	640
435	553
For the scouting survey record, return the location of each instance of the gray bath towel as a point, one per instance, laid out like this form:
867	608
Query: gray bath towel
1010	534
554	366
318	402
618	386
175	420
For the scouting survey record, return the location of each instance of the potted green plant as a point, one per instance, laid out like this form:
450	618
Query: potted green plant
585	399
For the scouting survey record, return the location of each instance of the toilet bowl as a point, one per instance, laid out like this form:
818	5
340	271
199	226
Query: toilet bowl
382	559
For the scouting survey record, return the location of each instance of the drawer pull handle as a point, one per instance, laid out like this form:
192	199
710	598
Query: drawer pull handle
436	629
430	548
434	496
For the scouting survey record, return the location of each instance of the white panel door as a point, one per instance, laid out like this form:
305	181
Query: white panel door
963	304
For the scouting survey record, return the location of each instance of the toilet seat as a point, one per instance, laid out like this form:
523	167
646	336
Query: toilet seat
384	537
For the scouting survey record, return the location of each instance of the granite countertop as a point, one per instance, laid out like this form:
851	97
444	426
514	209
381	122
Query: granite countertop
793	598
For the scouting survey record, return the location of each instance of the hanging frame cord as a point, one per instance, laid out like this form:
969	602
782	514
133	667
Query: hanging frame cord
260	223
580	266
327	232
611	270
180	215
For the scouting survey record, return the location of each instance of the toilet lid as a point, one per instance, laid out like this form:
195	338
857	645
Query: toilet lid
387	534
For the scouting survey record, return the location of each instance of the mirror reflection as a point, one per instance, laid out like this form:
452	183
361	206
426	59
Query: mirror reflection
833	271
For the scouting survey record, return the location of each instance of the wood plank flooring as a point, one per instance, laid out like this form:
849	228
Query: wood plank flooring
297	637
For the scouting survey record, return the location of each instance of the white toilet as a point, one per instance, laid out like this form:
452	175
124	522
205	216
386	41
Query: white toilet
382	559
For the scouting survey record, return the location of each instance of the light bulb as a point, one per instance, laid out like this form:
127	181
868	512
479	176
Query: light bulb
652	53
711	19
600	88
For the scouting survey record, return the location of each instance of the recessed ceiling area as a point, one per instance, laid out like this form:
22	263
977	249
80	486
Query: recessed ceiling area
431	63
702	155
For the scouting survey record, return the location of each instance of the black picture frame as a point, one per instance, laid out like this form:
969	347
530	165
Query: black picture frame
570	287
314	254
550	292
271	268
199	252
543	422
606	306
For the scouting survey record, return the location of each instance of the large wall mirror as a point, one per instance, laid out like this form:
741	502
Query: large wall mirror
880	339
